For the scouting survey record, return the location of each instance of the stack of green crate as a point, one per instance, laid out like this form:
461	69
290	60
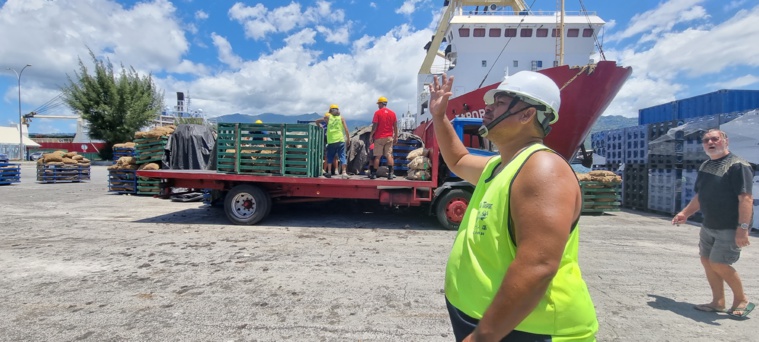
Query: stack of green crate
149	150
294	150
599	197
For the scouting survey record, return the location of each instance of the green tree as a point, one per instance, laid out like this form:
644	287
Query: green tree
114	106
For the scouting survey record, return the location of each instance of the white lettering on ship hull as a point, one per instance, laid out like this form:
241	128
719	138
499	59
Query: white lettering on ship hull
472	114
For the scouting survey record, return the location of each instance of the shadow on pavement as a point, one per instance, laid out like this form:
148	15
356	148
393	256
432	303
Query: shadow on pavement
332	214
686	310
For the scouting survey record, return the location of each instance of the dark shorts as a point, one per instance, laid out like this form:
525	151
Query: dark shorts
464	325
338	149
719	245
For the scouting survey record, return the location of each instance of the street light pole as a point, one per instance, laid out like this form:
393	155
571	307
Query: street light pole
20	119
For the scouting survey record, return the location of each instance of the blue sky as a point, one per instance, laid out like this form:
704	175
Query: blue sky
295	57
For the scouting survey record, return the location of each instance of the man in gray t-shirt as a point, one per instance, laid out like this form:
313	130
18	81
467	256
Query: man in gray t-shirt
723	194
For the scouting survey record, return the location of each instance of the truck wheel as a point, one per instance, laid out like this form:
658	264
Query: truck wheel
450	208
246	204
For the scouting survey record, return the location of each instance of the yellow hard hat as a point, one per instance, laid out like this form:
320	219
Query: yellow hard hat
382	99
259	122
333	106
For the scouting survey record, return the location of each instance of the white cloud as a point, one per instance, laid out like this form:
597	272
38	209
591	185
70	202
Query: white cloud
339	35
666	68
259	21
733	5
200	15
739	82
295	79
408	7
662	19
226	55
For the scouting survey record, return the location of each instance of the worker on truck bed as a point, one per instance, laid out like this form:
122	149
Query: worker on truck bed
384	135
513	272
337	139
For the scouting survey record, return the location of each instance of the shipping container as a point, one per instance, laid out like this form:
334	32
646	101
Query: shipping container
656	114
715	103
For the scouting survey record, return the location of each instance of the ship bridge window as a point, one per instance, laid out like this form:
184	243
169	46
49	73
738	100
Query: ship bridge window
479	32
463	32
541	32
588	32
536	65
572	33
494	32
555	33
510	32
527	32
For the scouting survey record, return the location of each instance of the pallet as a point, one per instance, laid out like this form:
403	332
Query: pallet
598	197
10	173
71	173
294	150
122	181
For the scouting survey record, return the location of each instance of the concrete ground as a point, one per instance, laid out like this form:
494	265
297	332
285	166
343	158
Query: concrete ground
81	264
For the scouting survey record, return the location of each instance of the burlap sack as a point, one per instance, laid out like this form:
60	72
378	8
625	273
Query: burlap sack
583	177
418	175
602	173
69	161
113	167
84	161
52	157
149	166
419	163
77	157
70	154
126	160
129	145
139	135
418	152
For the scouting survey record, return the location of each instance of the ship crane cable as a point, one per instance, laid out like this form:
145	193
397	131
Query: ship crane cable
504	46
595	35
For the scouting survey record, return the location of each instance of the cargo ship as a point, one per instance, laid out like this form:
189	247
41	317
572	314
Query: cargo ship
481	42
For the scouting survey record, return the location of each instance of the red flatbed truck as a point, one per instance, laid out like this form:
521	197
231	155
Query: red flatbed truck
249	198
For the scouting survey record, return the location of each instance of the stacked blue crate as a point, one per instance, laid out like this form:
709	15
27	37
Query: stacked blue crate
615	145
636	145
119	152
598	143
10	173
664	186
688	184
400	151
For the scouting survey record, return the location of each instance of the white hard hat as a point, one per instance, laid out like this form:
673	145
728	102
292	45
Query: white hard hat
534	88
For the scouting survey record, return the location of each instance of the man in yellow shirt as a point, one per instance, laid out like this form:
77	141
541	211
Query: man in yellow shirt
337	139
513	273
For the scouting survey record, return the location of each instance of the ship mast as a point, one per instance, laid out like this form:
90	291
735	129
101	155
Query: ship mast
453	8
560	34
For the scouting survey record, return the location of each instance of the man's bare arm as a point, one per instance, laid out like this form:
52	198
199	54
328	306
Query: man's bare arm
455	154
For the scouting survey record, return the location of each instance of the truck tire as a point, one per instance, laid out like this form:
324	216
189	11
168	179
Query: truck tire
246	204
451	206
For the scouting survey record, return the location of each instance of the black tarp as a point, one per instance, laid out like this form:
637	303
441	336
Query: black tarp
191	147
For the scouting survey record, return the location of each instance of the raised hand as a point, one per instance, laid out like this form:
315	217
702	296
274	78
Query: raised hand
440	92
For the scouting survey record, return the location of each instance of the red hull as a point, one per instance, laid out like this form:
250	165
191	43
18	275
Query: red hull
72	147
583	100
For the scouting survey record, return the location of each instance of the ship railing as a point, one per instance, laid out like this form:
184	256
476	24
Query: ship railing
470	11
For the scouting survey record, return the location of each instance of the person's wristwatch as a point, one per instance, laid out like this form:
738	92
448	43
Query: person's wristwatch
744	226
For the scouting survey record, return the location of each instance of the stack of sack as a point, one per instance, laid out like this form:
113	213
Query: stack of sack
61	158
419	164
606	178
155	133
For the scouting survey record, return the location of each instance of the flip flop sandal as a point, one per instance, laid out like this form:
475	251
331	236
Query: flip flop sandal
744	311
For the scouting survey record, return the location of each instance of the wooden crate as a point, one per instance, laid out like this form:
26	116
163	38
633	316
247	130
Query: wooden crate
598	197
295	150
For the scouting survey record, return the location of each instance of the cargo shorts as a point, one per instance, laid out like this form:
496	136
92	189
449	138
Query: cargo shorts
719	245
383	147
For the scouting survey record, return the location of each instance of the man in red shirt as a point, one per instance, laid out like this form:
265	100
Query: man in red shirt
384	135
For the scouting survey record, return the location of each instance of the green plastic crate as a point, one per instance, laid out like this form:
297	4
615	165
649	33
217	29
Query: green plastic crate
294	150
598	197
